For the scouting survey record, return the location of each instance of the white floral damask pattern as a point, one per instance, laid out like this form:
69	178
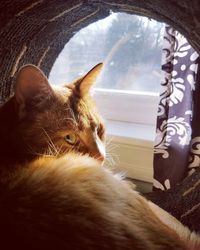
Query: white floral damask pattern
175	113
175	126
175	49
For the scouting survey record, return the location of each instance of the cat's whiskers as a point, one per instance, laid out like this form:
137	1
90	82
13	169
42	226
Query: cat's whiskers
60	150
33	152
51	146
109	162
112	157
108	141
49	151
110	145
55	151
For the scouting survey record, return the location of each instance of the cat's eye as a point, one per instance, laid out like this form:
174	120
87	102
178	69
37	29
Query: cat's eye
71	139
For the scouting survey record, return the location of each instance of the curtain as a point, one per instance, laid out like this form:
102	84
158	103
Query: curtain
177	143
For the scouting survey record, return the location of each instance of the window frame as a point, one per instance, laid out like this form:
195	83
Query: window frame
127	106
130	118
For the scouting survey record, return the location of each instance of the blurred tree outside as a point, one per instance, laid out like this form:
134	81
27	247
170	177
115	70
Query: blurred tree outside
130	47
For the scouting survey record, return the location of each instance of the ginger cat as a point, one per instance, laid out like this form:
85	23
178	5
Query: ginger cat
54	193
43	120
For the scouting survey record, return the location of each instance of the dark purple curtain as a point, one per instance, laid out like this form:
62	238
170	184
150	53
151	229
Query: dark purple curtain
177	144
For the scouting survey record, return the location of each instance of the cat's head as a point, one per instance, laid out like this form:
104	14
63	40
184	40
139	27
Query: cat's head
57	120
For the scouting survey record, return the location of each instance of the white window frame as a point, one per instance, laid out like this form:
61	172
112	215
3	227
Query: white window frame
131	124
127	106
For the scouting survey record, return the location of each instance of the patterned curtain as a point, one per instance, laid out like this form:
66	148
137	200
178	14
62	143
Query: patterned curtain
177	144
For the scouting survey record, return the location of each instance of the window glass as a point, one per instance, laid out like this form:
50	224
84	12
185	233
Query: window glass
130	47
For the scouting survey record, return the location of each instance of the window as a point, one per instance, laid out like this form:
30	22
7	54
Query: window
130	47
127	91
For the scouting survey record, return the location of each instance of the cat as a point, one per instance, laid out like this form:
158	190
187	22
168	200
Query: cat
54	191
44	120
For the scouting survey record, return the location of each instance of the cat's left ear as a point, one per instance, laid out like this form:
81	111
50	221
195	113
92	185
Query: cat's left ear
31	87
84	84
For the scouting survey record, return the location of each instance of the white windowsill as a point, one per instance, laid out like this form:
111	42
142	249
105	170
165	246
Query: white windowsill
131	125
131	133
133	145
126	106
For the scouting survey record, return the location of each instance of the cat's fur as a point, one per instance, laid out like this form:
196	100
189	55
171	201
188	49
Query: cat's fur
38	117
70	201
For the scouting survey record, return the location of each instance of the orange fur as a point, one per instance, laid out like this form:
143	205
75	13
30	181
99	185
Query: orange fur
73	203
63	199
37	118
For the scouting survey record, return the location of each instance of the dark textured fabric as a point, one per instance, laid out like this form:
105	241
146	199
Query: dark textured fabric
176	151
36	31
182	201
177	146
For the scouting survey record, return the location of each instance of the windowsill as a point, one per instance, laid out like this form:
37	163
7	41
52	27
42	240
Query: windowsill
131	130
132	146
126	106
131	133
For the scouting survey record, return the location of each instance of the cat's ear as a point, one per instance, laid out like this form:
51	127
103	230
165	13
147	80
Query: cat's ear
84	84
31	86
